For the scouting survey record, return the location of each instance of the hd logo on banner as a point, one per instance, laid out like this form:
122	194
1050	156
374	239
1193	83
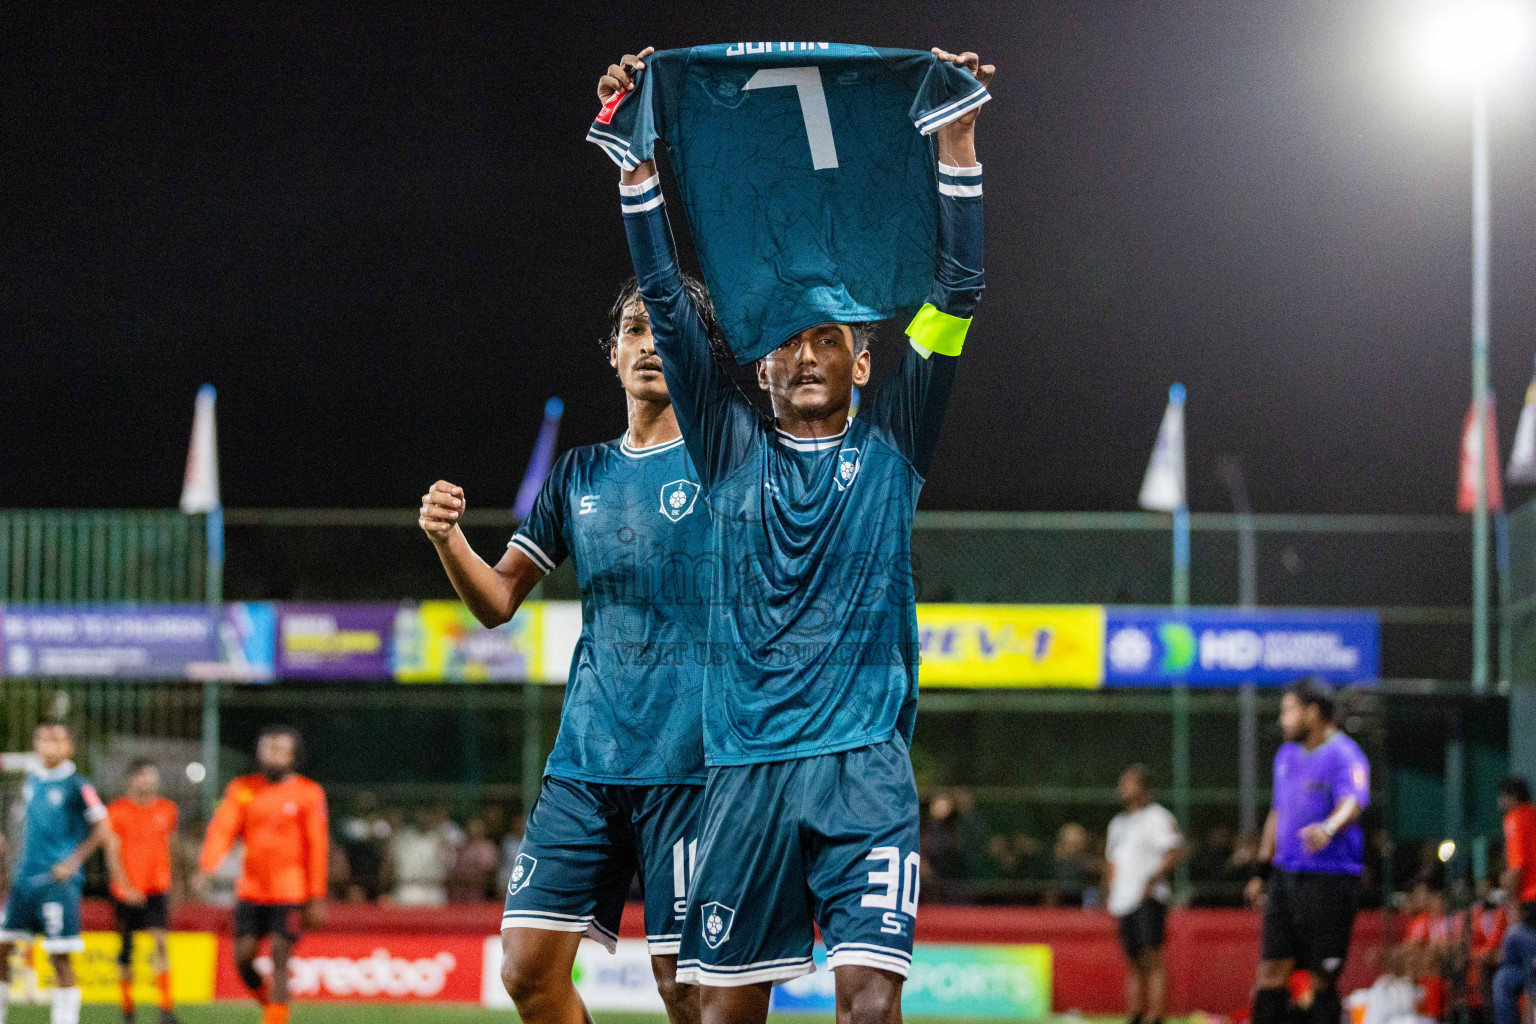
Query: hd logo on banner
1219	647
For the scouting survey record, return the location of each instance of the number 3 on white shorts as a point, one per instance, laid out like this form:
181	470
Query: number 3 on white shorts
900	876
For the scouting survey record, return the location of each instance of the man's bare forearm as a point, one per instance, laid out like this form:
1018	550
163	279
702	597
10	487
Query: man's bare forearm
491	596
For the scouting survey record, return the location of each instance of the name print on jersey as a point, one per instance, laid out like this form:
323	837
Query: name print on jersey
738	49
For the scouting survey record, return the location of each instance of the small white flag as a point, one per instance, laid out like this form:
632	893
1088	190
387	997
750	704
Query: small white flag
1162	489
200	486
1522	460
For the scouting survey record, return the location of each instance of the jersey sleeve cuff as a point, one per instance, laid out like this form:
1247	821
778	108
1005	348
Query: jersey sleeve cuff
959	182
533	551
616	146
95	813
641	197
934	330
941	116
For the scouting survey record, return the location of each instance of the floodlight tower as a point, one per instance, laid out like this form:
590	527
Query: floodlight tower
1469	44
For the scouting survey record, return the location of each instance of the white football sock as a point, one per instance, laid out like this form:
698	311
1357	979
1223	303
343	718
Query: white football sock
66	1006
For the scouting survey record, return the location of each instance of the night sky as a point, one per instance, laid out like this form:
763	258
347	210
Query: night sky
383	238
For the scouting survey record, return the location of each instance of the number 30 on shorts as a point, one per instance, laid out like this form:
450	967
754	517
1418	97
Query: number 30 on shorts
896	885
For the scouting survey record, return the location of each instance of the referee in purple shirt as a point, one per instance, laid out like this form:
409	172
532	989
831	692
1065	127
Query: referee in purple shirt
1313	851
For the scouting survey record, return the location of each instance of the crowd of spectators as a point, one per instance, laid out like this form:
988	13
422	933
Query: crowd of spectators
422	858
1005	855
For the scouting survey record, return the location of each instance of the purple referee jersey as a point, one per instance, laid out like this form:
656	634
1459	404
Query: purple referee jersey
1308	786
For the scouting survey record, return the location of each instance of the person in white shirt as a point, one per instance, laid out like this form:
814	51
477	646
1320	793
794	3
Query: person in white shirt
1144	845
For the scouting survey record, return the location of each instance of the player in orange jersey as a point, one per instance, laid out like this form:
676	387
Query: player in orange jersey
281	817
144	822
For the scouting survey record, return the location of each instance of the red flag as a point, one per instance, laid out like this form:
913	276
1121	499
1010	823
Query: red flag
1466	489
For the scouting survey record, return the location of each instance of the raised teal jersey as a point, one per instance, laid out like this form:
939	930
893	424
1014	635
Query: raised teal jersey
814	630
62	806
806	173
637	526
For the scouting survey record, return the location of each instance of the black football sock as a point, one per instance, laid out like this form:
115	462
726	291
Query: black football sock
1269	1005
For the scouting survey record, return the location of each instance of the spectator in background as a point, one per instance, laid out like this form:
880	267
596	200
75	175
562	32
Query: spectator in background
1208	859
365	839
1074	868
939	841
474	869
1143	846
422	855
1519	883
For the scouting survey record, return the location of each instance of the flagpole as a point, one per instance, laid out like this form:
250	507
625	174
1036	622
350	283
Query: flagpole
215	595
1181	779
1480	262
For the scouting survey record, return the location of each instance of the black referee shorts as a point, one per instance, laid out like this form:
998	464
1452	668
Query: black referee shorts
1143	928
258	920
155	913
1308	918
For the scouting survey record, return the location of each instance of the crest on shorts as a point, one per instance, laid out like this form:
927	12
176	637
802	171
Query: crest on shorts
717	924
522	873
677	498
847	467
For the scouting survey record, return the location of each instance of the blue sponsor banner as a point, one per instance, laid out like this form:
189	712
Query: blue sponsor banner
106	641
1224	647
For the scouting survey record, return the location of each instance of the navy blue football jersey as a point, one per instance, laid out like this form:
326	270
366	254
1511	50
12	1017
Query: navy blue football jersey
62	806
806	172
636	523
814	644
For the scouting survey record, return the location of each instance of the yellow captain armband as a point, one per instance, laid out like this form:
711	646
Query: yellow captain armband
934	330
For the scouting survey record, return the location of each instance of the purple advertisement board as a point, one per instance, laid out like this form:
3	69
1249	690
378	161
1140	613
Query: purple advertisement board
335	641
110	641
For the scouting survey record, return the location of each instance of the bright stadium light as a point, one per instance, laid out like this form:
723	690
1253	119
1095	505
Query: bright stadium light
1462	42
196	772
1447	851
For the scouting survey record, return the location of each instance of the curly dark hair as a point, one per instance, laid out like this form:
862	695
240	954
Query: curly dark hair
705	306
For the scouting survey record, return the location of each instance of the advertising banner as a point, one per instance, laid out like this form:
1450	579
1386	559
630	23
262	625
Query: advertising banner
248	642
619	981
1002	982
336	641
399	968
192	953
1011	645
115	641
440	641
1224	647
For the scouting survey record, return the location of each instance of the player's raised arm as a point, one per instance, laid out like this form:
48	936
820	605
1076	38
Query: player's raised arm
717	422
911	405
492	594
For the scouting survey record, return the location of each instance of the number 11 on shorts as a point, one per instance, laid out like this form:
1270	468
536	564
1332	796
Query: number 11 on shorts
900	881
683	855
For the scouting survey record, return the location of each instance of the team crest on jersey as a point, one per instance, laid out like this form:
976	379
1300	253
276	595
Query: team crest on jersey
56	797
522	873
717	924
678	498
847	467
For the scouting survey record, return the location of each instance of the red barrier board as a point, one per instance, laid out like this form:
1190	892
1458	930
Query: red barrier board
400	968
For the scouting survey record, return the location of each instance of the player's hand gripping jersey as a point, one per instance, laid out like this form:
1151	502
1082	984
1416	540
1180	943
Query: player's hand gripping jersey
814	645
635	522
806	173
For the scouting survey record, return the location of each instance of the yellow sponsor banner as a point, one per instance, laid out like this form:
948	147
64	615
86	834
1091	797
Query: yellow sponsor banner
443	643
1011	645
193	957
